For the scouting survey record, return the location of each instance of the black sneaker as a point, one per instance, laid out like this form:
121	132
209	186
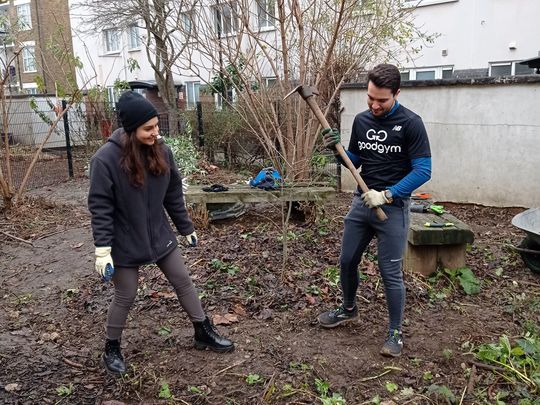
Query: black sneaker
331	319
393	344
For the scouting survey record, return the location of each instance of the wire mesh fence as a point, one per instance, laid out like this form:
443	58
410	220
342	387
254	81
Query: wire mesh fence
68	146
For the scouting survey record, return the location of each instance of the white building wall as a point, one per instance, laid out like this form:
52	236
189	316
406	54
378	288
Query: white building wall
485	140
477	32
101	68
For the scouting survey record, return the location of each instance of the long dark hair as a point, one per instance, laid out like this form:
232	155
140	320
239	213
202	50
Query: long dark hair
136	158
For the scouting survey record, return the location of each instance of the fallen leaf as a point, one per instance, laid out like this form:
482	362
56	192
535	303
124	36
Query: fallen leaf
226	319
77	246
239	310
12	387
46	337
232	318
266	313
310	299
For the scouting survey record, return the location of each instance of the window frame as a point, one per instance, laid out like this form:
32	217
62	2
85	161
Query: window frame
188	22
24	21
270	81
191	102
30	88
219	19
27	51
437	69
106	42
512	64
266	18
133	33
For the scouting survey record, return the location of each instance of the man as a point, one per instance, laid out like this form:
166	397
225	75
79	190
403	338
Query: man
390	144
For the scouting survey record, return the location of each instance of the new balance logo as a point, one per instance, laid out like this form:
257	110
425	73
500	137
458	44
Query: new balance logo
397	128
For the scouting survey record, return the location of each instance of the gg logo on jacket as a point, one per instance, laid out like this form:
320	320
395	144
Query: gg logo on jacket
378	136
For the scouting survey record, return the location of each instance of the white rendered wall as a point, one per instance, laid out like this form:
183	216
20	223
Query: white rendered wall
485	140
476	32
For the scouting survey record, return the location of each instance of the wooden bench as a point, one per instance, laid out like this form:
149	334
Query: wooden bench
243	193
429	247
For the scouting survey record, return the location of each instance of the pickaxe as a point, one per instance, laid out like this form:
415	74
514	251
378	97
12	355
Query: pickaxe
307	94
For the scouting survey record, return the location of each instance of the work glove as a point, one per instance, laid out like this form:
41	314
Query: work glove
192	239
331	138
374	198
104	263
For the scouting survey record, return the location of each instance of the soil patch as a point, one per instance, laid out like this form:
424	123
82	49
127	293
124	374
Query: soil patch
54	309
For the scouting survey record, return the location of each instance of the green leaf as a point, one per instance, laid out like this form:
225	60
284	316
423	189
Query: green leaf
322	386
427	376
390	386
164	391
253	379
468	281
443	391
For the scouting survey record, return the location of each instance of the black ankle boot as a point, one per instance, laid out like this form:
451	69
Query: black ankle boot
112	358
206	336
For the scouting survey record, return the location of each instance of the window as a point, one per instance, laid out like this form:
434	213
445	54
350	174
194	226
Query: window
226	19
112	40
188	22
509	69
266	11
24	17
425	75
270	81
30	88
522	69
192	93
134	41
29	59
432	73
501	69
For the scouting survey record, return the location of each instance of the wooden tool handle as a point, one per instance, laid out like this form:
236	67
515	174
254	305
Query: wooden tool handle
361	183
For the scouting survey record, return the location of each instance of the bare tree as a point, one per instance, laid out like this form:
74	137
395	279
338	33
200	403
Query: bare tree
160	20
261	49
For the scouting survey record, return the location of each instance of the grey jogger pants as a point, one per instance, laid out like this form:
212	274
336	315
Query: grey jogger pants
125	281
361	225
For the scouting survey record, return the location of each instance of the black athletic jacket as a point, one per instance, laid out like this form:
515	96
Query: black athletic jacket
132	220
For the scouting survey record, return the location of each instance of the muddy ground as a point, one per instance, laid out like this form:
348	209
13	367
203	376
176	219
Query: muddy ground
53	310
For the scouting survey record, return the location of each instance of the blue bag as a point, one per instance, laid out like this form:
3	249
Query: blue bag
267	179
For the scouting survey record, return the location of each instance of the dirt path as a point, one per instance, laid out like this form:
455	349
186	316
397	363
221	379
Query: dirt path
53	310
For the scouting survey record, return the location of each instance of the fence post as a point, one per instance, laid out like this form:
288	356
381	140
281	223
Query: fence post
200	124
68	141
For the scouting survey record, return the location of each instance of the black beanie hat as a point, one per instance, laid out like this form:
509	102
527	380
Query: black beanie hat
134	110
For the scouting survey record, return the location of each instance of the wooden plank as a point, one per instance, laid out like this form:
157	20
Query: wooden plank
422	235
452	256
421	259
246	194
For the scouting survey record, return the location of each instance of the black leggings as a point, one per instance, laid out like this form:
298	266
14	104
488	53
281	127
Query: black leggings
125	281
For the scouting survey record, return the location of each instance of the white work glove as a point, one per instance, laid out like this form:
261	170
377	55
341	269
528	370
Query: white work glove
103	258
192	239
374	198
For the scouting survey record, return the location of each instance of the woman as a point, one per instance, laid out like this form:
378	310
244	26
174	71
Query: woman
132	178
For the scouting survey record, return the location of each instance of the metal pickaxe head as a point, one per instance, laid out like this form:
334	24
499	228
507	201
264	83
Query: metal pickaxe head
304	91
